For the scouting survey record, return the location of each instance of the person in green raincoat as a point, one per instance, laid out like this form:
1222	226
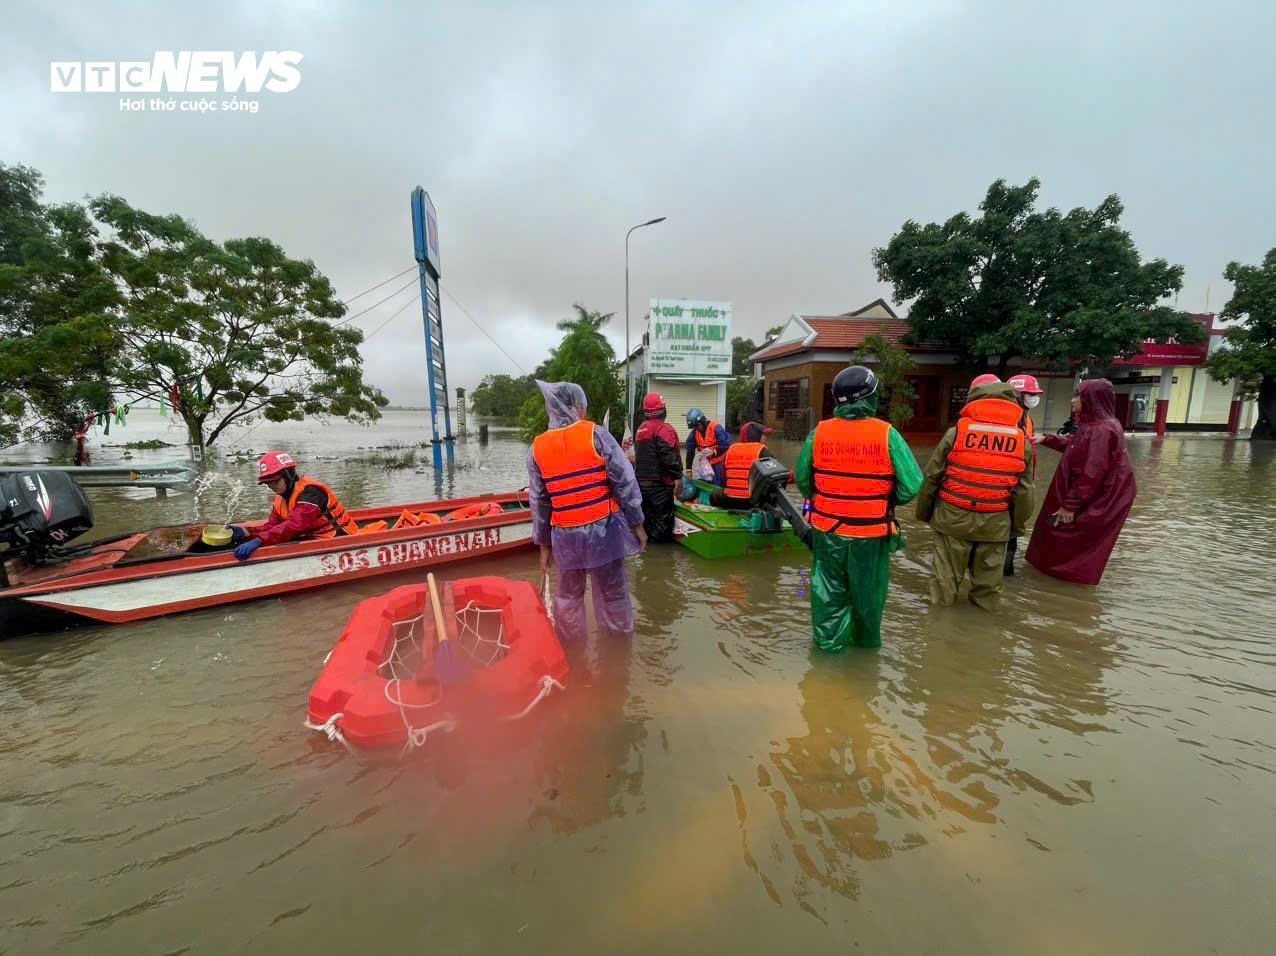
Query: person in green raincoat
855	468
977	495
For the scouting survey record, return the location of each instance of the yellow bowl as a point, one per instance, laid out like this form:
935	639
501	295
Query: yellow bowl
216	536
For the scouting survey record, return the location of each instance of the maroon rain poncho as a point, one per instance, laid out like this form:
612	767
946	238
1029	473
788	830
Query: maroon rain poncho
1095	479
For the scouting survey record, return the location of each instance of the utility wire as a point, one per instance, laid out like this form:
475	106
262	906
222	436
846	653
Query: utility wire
350	318
377	286
412	301
481	329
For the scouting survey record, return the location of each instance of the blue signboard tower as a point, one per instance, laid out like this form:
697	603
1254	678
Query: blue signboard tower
425	236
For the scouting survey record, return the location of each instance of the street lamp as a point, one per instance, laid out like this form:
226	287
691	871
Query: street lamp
629	375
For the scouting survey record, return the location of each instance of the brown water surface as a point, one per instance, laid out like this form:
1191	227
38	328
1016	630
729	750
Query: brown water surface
1088	770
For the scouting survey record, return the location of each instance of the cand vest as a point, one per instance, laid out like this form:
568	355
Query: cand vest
709	439
575	475
854	478
737	462
986	459
339	521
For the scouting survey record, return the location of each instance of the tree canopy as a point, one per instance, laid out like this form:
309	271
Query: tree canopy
741	349
1016	282
585	357
501	396
1249	353
104	302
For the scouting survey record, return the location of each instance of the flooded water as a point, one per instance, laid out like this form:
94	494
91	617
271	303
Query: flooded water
1084	771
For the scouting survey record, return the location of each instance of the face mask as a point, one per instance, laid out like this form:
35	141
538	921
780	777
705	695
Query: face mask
1031	401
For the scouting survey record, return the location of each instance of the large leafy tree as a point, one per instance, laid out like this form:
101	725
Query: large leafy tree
57	335
585	357
741	349
892	365
238	328
1017	282
1250	350
501	396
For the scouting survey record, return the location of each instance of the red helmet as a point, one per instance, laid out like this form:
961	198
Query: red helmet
272	463
1024	383
986	379
652	403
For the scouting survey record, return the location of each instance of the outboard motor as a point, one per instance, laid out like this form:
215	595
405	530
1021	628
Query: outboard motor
767	480
40	512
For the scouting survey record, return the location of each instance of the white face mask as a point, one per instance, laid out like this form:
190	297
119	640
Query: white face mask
1031	401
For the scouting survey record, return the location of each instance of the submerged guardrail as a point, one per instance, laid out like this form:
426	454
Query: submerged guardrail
162	477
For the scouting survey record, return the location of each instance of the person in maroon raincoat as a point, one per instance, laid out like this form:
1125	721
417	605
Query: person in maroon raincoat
1091	494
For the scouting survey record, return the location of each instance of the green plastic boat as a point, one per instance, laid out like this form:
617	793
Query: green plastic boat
717	533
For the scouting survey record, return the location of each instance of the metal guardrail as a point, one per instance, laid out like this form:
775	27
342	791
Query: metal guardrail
173	474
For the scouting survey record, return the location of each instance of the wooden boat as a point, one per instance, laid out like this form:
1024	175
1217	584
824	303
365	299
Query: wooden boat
169	570
718	533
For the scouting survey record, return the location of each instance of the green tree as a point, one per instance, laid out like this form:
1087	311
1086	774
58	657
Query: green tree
772	332
1047	286
58	341
742	393
585	357
238	327
501	396
1250	350
892	365
741	349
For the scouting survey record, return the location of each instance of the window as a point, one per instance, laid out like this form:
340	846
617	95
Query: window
773	396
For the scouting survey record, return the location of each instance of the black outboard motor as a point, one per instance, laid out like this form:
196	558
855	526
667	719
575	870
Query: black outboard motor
767	480
40	512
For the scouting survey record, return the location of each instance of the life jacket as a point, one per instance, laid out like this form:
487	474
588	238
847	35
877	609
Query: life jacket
338	519
737	462
854	478
646	462
480	509
986	459
575	475
709	439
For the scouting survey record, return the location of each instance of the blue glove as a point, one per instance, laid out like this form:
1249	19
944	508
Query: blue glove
245	550
237	534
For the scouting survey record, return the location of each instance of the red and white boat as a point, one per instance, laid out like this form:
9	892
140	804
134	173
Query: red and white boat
169	570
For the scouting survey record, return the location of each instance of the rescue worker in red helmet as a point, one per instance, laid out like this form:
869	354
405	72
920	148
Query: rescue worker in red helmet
736	464
657	468
855	468
1029	393
303	509
977	495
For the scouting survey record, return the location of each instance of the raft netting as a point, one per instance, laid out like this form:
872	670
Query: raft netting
406	659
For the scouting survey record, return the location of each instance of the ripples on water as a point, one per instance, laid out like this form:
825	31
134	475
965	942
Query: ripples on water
1086	770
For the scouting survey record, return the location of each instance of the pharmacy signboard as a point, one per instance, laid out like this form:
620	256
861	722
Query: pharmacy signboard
689	337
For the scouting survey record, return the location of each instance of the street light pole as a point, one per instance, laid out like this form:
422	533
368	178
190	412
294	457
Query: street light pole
629	375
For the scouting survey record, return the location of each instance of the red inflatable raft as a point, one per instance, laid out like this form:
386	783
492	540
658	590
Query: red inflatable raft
378	688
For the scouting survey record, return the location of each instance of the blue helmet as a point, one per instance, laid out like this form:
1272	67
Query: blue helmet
695	417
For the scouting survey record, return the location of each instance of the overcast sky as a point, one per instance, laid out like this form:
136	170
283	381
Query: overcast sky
783	142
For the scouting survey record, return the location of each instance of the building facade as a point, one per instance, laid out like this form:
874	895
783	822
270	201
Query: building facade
1164	389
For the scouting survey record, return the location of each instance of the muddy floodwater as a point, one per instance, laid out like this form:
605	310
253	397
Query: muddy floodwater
1088	770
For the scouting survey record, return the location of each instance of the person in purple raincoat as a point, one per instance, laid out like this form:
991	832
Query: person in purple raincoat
586	513
1092	492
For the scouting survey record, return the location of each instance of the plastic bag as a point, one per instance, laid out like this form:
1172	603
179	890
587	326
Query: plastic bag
700	467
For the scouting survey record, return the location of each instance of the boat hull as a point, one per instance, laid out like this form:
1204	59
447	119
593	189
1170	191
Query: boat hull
716	533
134	592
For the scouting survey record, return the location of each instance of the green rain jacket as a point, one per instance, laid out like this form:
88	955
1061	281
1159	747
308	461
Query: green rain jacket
908	476
972	525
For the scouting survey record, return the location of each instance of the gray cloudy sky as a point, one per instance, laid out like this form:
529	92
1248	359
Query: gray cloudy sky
783	141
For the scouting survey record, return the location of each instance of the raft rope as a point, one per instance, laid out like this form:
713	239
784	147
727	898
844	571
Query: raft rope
330	729
547	687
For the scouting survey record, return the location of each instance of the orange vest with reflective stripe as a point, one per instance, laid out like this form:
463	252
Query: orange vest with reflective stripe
339	520
575	475
854	478
709	440
986	460
737	462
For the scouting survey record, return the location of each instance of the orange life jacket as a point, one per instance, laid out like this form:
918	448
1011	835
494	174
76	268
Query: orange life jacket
709	439
986	459
854	478
575	475
338	519
737	462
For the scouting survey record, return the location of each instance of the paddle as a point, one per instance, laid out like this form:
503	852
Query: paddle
450	666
